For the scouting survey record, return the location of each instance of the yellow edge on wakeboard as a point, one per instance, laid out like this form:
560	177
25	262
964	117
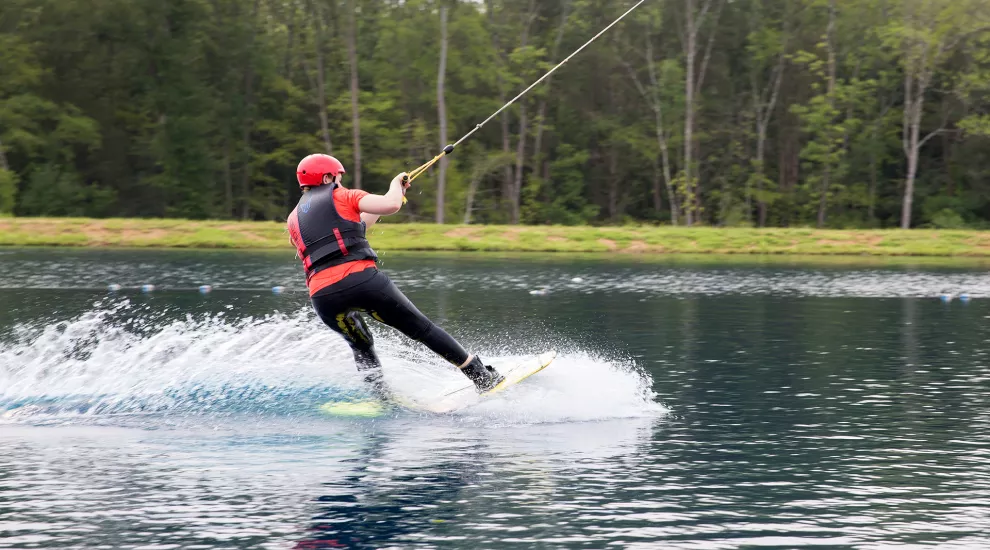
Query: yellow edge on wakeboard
506	384
354	409
373	409
446	406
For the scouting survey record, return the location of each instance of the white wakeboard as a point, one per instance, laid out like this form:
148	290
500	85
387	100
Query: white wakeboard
465	396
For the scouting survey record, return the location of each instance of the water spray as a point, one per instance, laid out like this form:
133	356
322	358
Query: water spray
450	148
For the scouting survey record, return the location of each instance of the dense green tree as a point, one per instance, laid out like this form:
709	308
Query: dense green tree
835	113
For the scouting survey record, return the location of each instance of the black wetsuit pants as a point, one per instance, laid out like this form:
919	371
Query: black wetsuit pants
371	292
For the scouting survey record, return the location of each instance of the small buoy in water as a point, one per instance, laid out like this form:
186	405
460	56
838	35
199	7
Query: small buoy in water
577	280
964	298
946	298
540	292
147	288
205	289
278	289
113	287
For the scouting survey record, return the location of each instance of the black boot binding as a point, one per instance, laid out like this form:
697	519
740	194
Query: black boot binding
371	368
485	378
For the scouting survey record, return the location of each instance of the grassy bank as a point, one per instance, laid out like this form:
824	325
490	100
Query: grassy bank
397	237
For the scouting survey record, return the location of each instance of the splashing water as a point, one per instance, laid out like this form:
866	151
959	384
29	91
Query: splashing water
115	362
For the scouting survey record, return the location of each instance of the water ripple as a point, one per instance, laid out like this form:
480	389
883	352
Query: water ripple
694	408
263	270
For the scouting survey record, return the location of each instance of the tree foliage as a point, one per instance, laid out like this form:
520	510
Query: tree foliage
841	113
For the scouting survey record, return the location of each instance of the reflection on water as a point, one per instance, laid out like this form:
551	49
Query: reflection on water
789	418
315	485
187	270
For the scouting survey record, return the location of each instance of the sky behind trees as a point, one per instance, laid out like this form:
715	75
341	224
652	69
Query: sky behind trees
834	113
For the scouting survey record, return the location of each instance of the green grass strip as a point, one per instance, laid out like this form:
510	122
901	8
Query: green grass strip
642	240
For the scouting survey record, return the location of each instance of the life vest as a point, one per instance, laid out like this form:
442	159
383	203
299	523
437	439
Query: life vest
323	238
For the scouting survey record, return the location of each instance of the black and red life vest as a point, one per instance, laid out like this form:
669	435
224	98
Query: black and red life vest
322	237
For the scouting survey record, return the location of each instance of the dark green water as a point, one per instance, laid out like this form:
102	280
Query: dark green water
693	406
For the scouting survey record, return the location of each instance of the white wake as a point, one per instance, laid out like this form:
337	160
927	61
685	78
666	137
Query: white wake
96	366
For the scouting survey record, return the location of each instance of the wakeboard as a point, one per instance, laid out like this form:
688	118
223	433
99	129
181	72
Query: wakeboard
364	408
515	373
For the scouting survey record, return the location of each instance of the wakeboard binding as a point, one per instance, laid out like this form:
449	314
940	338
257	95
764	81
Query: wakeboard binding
485	377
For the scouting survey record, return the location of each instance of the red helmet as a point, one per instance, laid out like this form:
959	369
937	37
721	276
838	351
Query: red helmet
312	169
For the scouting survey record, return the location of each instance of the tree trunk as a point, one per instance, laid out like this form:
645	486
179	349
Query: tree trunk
321	93
761	145
765	107
469	205
542	110
506	140
692	83
675	211
912	160
541	114
694	78
613	184
827	170
921	60
823	196
287	70
442	115
520	164
657	182
691	46
228	184
517	182
322	103
507	151
909	130
914	103
246	173
248	122
871	209
788	162
355	93
613	159
947	154
3	158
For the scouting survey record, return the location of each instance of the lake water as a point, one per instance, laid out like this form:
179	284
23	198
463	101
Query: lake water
695	404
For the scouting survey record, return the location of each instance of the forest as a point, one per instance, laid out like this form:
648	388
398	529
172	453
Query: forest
731	113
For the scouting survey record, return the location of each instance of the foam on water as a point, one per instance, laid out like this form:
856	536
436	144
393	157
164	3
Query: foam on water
97	366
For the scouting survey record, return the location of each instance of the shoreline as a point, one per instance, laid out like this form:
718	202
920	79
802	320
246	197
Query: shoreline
630	241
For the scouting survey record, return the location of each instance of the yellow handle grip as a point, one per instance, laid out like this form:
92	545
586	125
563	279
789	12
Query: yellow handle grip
419	171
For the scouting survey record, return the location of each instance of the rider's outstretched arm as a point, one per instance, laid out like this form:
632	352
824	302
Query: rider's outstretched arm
375	206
